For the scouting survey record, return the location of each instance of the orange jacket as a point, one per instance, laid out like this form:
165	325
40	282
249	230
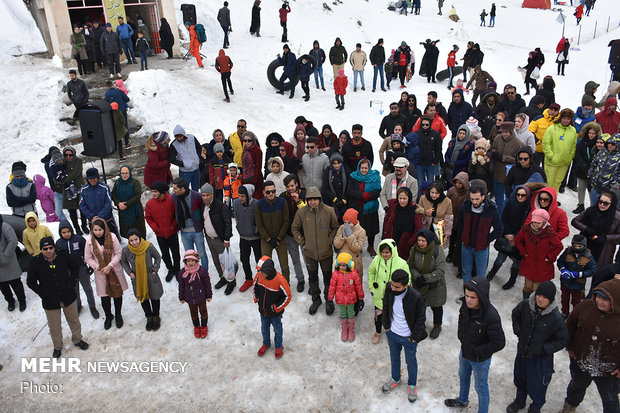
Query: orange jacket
231	185
193	38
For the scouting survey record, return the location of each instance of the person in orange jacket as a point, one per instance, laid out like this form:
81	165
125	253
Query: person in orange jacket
194	43
232	183
224	64
340	88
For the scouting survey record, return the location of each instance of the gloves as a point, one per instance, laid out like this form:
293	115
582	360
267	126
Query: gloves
419	282
568	275
496	156
360	304
589	232
273	242
347	231
366	196
335	200
375	285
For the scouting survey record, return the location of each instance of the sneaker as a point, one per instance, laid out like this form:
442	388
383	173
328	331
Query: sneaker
118	75
247	284
515	406
412	394
455	403
323	88
402	86
111	76
222	282
262	350
83	345
300	287
390	385
230	287
363	87
279	352
128	146
56	354
375	338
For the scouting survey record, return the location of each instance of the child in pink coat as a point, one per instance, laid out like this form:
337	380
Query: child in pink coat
345	284
121	86
45	195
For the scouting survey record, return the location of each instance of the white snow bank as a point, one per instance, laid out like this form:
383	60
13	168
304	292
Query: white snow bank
19	33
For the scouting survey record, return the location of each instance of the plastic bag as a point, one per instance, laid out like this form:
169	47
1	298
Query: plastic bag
229	264
535	73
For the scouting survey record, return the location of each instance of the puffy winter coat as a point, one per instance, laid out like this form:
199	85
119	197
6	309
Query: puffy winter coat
289	61
540	333
197	291
377	55
581	120
346	287
157	167
581	263
559	144
608	119
480	331
462	161
352	245
539	251
539	127
110	43
314	229
437	124
340	85
557	216
96	201
414	308
305	69
272	218
604	172
312	169
458	113
21	198
31	237
272	293
46	196
337	54
160	216
380	272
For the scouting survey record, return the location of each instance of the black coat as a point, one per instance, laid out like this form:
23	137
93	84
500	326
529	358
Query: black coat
54	285
480	331
540	333
255	23
389	122
429	143
430	59
220	218
377	55
512	107
519	175
353	154
486	114
477	57
583	157
412	117
414	309
165	34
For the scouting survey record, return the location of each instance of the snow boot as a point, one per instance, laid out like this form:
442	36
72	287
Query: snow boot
493	272
149	323
580	208
352	329
262	350
435	332
567	408
515	406
344	326
230	287
107	324
222	282
156	323
119	321
197	331
204	331
329	307
514	273
315	306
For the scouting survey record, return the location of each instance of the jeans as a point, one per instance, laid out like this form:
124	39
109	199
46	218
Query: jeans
58	206
377	69
166	247
396	343
481	377
265	328
580	380
594	196
128	50
192	177
500	196
246	246
468	255
318	74
450	76
84	279
196	241
357	73
144	57
426	173
492	21
225	28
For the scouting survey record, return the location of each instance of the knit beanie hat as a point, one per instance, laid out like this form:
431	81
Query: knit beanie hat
547	290
218	147
18	168
554	106
472	122
160	137
191	254
482	143
540	215
206	189
350	215
92	173
233	165
268	268
579	239
46	242
395	137
160	187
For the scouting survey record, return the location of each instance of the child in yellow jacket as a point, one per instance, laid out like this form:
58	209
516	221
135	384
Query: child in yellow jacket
33	233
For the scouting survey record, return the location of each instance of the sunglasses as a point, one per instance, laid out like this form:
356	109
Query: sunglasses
519	195
510	93
310	146
541	199
47	248
524	159
601	202
270	191
393	107
68	155
241	126
248	140
282	150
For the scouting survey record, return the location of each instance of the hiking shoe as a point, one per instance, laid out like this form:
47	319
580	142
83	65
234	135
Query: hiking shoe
279	352
412	394
262	350
375	338
435	332
300	287
455	403
515	406
230	287
83	345
247	284
390	385
222	282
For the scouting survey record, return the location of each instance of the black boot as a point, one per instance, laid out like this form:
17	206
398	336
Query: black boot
108	321
580	208
514	273
515	406
315	306
222	282
230	287
493	272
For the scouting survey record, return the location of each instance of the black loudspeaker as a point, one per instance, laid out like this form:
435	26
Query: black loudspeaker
189	13
97	125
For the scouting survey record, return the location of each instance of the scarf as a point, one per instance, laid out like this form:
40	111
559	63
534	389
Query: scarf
458	145
142	285
534	237
343	177
112	286
435	202
249	168
427	256
20	182
395	185
191	272
124	192
183	209
600	221
372	182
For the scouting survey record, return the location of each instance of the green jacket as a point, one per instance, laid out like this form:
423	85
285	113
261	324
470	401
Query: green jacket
272	219
380	272
559	144
435	296
315	229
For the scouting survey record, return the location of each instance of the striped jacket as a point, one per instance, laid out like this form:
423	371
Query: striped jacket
272	294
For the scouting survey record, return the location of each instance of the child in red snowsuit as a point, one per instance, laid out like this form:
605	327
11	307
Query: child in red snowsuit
340	88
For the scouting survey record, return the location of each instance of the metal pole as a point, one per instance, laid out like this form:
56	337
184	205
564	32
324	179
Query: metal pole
579	36
563	26
608	19
595	25
103	169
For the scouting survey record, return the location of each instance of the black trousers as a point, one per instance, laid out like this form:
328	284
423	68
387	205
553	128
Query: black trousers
114	63
106	303
402	74
437	315
74	218
83	65
169	246
150	307
306	88
312	266
169	51
17	287
226	80
246	247
608	388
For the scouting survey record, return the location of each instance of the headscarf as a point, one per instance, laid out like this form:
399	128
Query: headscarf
113	286
404	218
439	187
300	144
125	191
332	170
428	252
601	221
372	182
459	144
142	285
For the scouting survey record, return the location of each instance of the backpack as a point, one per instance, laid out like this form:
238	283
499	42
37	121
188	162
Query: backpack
201	33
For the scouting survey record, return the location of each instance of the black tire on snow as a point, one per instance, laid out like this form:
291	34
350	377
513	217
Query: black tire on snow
274	81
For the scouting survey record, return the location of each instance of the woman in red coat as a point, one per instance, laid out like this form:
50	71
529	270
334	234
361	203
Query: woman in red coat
547	199
401	223
252	161
160	215
157	167
539	246
340	88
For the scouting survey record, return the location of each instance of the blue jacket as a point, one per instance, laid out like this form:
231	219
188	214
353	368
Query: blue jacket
96	201
581	119
290	63
458	113
116	95
581	265
462	162
319	56
75	245
124	31
412	151
305	70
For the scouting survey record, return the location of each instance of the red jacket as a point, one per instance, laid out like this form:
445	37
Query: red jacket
157	167
194	43
284	12
160	216
223	64
340	85
452	59
579	11
557	216
539	252
609	120
408	238
437	124
252	160
347	287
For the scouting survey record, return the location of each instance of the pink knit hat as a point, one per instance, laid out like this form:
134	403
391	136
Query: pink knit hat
540	215
191	254
472	122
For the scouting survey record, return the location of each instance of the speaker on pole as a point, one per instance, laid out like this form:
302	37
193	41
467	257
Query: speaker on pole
97	126
189	13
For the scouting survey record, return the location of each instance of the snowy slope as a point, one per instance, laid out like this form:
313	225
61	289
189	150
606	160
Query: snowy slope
317	372
18	31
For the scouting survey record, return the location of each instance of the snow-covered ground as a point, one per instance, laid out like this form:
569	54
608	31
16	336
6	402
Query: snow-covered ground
317	372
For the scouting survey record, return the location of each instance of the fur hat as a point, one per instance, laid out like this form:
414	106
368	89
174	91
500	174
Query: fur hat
507	126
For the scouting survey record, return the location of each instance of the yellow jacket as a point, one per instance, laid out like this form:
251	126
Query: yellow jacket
237	145
539	126
32	237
